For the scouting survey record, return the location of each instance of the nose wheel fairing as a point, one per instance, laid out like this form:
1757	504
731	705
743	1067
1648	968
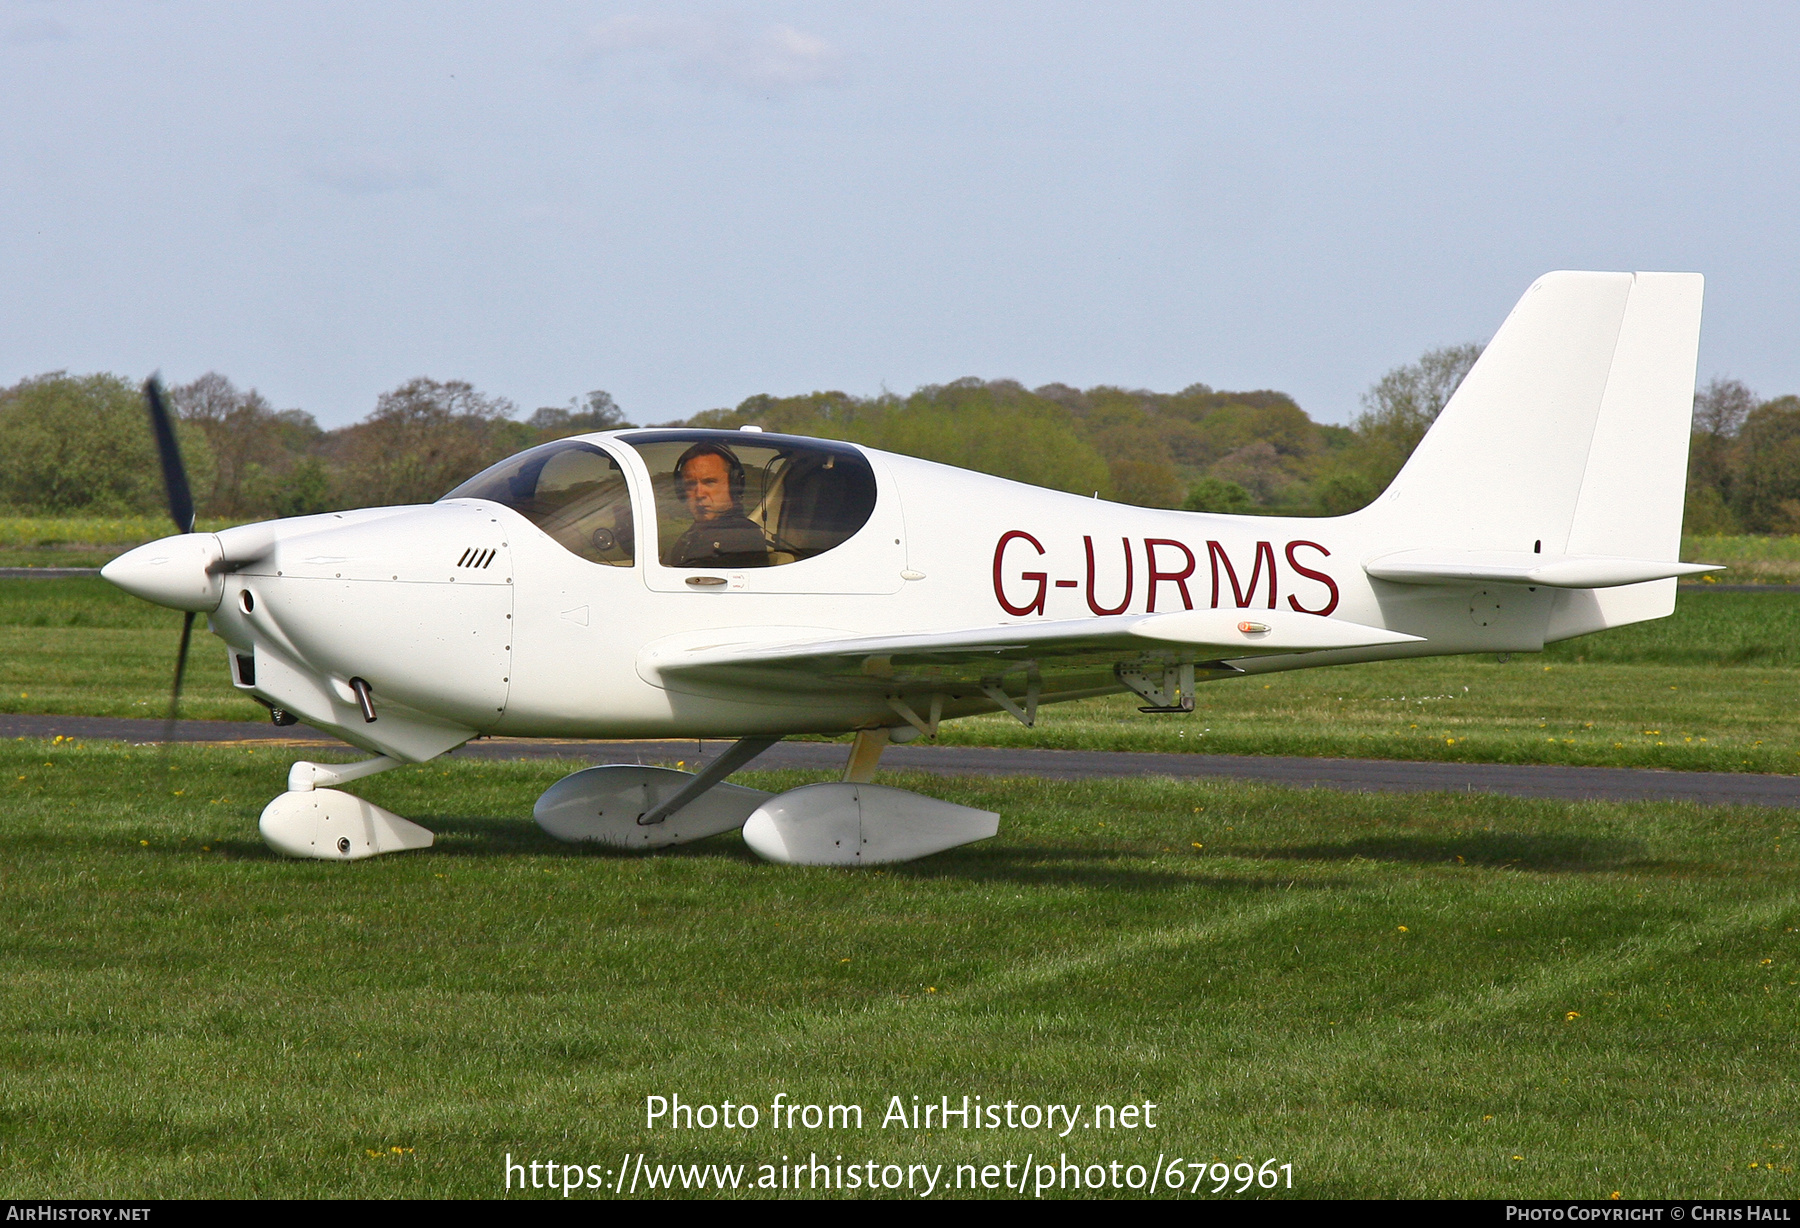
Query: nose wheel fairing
329	825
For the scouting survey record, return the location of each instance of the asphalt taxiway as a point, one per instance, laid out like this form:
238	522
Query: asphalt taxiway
1360	775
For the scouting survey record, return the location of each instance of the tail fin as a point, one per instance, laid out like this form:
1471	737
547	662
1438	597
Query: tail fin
1570	434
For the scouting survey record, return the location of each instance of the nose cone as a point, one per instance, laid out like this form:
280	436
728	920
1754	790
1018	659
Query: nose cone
179	572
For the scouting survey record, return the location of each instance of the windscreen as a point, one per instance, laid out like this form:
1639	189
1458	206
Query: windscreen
573	491
743	499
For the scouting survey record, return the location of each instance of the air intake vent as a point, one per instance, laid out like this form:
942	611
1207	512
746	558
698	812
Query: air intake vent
476	558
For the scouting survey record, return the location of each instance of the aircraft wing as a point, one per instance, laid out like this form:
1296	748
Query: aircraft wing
1069	654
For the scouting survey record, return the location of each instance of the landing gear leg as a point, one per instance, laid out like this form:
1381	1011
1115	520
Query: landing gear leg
865	753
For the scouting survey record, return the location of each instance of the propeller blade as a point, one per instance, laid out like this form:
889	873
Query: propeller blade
162	423
181	655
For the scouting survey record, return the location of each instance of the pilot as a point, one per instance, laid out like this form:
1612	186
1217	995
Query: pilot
711	480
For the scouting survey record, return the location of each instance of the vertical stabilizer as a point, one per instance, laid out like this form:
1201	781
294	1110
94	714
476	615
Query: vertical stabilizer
1570	431
1568	437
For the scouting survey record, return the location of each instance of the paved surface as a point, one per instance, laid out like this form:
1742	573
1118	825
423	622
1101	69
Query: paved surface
1360	775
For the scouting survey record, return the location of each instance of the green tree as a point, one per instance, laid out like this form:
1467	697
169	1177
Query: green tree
1766	491
423	438
595	412
994	428
1341	493
1401	406
1720	411
82	444
256	448
1216	495
304	490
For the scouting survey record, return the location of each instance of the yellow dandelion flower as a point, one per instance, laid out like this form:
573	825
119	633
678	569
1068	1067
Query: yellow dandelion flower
1404	930
1571	1017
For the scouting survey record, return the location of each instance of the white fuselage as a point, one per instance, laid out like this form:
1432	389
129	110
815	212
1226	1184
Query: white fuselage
465	618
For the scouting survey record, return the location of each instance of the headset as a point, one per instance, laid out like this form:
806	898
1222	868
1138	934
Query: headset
733	466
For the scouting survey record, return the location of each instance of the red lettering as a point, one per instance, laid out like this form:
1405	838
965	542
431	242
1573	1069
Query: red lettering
1216	553
1310	574
1036	604
1124	601
1178	578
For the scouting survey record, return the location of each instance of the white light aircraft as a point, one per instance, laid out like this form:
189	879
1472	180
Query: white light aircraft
662	583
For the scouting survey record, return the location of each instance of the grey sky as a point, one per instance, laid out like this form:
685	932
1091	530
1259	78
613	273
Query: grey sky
687	204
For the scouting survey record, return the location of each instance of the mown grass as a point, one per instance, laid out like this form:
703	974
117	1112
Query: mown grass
81	647
82	541
1711	688
1401	996
1753	559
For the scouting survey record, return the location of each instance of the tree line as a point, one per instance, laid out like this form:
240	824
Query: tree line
73	444
81	444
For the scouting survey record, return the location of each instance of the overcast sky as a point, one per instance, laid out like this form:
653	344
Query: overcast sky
688	204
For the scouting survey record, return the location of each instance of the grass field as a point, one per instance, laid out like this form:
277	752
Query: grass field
1711	688
1400	996
1752	559
81	541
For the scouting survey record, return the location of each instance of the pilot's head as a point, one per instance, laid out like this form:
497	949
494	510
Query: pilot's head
711	480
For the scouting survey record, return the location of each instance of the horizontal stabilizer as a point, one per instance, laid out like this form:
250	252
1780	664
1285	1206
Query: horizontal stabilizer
1521	567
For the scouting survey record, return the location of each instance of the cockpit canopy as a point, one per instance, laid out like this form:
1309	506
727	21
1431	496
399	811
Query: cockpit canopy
787	498
571	490
723	499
